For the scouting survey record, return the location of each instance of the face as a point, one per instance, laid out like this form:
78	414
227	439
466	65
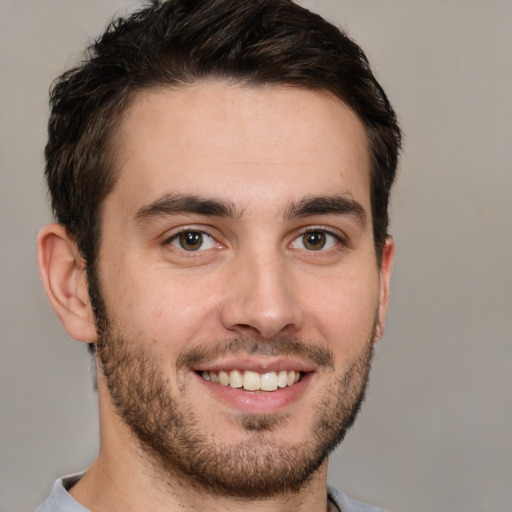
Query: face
240	290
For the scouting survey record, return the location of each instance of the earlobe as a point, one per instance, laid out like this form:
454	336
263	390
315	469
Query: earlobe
64	280
388	255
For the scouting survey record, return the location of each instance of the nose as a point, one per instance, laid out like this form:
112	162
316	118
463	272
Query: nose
261	299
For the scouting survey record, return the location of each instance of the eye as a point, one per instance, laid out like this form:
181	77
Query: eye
191	240
315	240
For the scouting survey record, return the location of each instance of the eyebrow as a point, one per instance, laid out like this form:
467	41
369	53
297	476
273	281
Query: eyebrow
327	205
175	204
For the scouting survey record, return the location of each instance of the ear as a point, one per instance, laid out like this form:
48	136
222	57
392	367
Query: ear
64	279
388	255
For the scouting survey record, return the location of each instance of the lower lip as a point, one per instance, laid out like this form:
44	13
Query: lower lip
257	402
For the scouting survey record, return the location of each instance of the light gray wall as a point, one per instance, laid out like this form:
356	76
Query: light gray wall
435	433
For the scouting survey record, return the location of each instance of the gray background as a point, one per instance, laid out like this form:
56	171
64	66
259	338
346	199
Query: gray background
435	433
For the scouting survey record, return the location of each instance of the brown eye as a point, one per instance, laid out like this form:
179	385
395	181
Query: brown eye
192	241
314	241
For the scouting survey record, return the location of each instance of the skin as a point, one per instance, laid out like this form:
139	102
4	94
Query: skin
260	150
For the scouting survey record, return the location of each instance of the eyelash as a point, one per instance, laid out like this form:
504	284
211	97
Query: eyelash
339	239
190	230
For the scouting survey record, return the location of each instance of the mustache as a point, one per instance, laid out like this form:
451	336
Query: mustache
278	346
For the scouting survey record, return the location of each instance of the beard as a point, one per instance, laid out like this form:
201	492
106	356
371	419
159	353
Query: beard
179	446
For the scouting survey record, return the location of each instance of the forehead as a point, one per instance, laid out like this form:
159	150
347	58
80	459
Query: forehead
220	139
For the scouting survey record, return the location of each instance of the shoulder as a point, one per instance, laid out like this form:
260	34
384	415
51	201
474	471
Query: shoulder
59	500
347	504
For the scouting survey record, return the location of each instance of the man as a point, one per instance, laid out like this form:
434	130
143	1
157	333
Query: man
220	172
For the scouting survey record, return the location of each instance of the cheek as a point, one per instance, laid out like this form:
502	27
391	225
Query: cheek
158	307
344	310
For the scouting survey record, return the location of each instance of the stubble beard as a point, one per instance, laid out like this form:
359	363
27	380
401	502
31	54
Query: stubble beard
178	446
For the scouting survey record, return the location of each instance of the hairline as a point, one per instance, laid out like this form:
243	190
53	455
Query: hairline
112	149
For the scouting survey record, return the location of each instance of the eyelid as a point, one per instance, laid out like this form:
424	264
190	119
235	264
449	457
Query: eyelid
173	233
210	231
336	242
200	228
329	230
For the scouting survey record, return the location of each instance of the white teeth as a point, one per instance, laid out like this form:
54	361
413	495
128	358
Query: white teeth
236	379
253	381
223	378
282	379
269	381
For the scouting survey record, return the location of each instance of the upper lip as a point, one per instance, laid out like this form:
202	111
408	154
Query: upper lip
256	364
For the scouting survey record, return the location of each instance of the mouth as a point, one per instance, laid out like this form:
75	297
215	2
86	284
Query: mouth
256	385
253	381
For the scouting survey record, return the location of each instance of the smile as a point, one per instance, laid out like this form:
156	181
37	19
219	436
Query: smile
253	381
